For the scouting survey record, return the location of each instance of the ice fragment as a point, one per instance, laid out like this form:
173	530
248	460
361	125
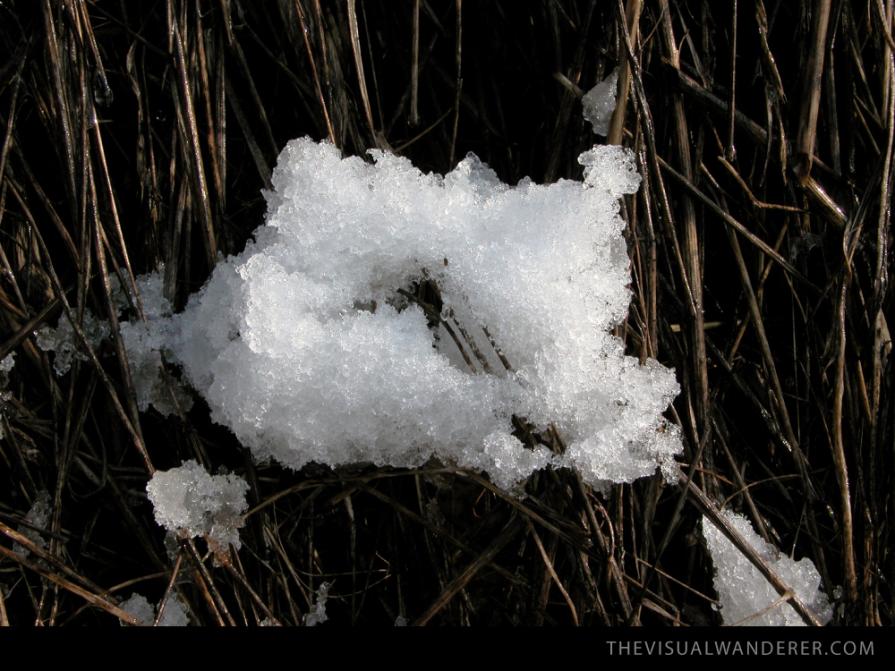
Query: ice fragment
317	615
599	103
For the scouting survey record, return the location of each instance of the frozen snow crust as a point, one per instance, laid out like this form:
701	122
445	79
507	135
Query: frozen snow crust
304	346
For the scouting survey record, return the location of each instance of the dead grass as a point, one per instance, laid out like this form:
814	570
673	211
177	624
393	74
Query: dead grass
139	133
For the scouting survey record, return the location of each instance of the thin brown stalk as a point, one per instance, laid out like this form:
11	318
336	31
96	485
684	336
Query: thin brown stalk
548	564
188	112
811	89
359	64
469	572
630	28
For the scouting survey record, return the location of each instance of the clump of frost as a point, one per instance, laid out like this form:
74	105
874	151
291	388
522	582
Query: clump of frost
306	348
188	501
37	519
144	342
317	614
598	104
6	366
139	606
64	343
401	621
174	614
745	594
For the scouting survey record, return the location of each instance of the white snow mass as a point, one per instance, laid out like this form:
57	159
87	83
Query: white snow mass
746	597
385	316
188	501
311	344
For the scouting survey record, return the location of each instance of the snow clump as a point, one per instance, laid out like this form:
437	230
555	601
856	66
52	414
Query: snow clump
317	614
385	315
746	597
37	519
139	607
64	343
188	501
174	615
598	104
6	366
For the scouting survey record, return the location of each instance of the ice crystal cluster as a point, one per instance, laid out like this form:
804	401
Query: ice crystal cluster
6	365
746	597
598	104
188	501
37	519
317	614
144	341
174	614
64	343
311	346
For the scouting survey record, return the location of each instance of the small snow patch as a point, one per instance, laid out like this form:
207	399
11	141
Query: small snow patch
598	104
6	366
173	615
189	501
63	342
746	597
37	519
139	606
317	615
